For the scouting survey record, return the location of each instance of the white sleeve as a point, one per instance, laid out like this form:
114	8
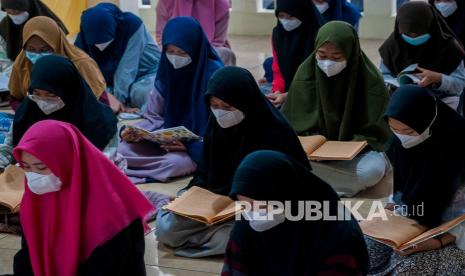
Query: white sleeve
459	233
128	67
387	75
454	83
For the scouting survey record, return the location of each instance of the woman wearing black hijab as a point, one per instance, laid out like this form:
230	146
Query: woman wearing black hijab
59	92
428	157
453	11
293	41
243	121
422	37
285	247
18	13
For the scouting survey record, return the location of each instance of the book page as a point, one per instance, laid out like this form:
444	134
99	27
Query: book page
200	203
229	211
169	135
338	150
11	187
441	229
311	143
397	229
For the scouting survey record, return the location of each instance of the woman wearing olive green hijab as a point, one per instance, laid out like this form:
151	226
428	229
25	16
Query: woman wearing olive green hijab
338	93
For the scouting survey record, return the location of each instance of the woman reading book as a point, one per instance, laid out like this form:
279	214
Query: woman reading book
278	246
428	156
453	12
293	40
59	92
338	93
243	121
187	63
421	36
80	214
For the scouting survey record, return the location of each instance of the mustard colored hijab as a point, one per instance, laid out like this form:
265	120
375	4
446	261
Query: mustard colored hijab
50	32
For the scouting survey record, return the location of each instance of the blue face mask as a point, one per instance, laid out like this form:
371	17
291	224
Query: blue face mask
415	41
34	57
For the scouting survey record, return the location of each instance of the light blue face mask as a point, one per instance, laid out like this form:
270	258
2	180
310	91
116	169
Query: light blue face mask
415	41
34	57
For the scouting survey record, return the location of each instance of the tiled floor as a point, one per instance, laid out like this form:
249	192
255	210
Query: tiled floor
159	260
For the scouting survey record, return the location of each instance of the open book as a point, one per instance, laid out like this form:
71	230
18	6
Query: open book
203	206
165	136
406	76
320	149
11	189
402	233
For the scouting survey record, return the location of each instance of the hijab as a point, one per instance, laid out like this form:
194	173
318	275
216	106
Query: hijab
455	21
59	76
103	23
12	33
262	128
293	47
183	89
292	247
431	172
95	203
341	10
207	12
49	31
421	18
345	107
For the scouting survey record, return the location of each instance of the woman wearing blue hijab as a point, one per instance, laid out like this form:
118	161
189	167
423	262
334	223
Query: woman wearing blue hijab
339	10
187	62
124	50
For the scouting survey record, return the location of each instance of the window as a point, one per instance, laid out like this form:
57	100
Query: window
265	5
145	3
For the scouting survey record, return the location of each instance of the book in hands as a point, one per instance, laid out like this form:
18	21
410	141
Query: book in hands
11	189
318	148
406	76
165	136
402	233
204	206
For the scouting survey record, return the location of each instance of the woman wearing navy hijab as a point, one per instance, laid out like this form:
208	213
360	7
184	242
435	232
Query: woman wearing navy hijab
187	63
339	10
124	50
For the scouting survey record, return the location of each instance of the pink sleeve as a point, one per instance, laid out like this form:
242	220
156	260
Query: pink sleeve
163	15
278	81
221	32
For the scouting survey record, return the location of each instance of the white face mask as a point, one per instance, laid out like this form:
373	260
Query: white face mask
331	68
19	19
179	61
42	183
48	106
409	141
322	7
446	8
290	24
260	222
103	46
228	119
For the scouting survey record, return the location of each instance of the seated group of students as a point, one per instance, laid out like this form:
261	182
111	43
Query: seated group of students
80	214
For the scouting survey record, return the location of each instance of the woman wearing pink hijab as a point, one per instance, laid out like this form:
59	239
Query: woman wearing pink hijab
213	16
80	215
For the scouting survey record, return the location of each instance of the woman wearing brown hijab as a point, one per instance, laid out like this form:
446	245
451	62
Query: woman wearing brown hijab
43	36
19	12
422	37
